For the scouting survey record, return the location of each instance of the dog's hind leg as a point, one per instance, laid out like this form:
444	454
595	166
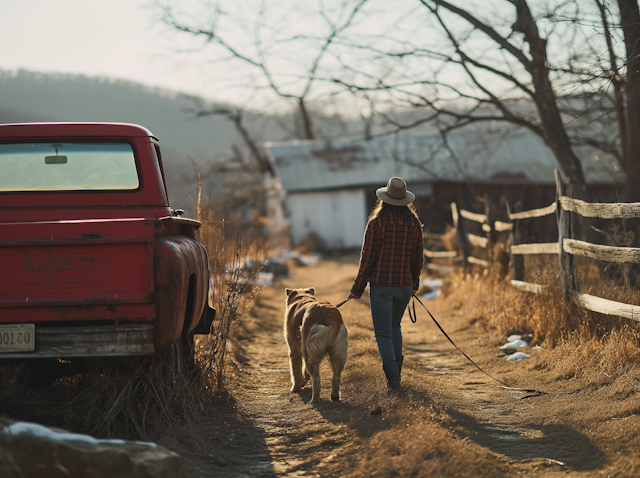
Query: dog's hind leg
295	364
305	376
338	358
314	371
337	365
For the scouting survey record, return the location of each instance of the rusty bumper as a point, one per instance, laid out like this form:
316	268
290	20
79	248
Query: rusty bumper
91	341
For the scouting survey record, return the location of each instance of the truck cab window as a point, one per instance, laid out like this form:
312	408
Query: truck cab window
67	167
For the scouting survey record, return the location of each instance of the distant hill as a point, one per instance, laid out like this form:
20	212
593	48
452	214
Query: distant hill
27	96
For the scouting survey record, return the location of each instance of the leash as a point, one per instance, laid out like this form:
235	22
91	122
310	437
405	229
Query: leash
532	392
343	302
414	318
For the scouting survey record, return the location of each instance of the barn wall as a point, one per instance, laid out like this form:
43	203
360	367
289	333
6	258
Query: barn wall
336	218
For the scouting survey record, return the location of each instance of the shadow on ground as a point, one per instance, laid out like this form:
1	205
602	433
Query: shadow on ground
559	442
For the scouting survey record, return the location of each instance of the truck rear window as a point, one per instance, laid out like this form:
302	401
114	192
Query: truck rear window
67	167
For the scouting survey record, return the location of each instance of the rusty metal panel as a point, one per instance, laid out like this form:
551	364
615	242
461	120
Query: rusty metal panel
76	270
177	258
73	311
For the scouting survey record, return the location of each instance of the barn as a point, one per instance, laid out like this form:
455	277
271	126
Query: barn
327	188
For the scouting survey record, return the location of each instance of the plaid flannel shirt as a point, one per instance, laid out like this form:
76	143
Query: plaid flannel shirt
392	253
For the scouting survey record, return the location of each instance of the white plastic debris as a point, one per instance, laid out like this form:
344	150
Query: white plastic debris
516	344
518	356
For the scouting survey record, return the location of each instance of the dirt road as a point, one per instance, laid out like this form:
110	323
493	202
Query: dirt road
451	420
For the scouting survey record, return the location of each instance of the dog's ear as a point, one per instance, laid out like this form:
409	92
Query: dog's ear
311	291
289	291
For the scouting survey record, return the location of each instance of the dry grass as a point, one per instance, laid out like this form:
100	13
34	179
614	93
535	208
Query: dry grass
581	344
413	434
233	294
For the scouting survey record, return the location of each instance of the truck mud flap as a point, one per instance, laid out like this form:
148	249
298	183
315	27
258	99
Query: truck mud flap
204	326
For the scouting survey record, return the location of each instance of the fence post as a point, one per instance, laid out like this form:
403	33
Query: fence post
461	235
492	236
565	230
426	258
516	261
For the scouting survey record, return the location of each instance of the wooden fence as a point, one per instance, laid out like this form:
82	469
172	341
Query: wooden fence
566	248
434	241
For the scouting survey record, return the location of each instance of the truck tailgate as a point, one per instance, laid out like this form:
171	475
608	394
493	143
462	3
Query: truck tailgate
77	270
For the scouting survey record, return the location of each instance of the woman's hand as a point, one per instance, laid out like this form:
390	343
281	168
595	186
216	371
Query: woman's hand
351	296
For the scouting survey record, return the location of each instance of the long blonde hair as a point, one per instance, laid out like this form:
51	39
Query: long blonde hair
383	207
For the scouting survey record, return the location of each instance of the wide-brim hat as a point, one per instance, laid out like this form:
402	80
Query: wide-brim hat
396	193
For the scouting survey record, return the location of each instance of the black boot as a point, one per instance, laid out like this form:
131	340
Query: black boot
399	361
393	376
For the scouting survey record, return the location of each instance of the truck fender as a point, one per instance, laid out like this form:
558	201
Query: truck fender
177	260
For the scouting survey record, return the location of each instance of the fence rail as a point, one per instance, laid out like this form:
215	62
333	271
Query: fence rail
618	210
605	306
540	248
545	211
467	240
563	208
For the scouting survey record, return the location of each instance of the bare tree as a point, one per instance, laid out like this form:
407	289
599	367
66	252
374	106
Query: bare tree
291	86
565	70
630	24
496	83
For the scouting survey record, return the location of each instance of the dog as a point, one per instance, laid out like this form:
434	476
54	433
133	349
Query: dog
312	330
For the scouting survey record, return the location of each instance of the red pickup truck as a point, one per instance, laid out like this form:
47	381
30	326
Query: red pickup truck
93	261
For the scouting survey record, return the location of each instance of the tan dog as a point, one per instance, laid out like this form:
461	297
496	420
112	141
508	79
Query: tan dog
312	330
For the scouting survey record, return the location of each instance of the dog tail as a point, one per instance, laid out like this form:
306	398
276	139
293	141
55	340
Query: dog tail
324	340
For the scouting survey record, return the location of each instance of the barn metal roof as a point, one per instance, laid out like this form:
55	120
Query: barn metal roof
470	157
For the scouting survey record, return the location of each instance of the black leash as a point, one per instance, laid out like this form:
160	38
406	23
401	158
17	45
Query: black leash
414	318
532	392
343	302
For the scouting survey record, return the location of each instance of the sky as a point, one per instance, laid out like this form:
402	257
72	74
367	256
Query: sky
125	39
116	38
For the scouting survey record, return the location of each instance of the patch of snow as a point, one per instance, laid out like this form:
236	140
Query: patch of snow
518	356
516	344
41	431
514	337
433	283
264	278
307	260
435	286
431	295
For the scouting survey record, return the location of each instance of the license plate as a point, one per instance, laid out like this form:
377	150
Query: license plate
17	338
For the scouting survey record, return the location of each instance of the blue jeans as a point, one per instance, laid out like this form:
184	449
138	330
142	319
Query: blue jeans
388	304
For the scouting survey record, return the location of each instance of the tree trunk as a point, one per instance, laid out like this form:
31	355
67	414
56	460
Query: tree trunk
555	135
307	127
618	87
629	18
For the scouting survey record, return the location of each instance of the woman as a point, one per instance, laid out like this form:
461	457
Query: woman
391	262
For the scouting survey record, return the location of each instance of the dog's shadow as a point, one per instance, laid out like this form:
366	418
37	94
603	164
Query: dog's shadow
344	413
